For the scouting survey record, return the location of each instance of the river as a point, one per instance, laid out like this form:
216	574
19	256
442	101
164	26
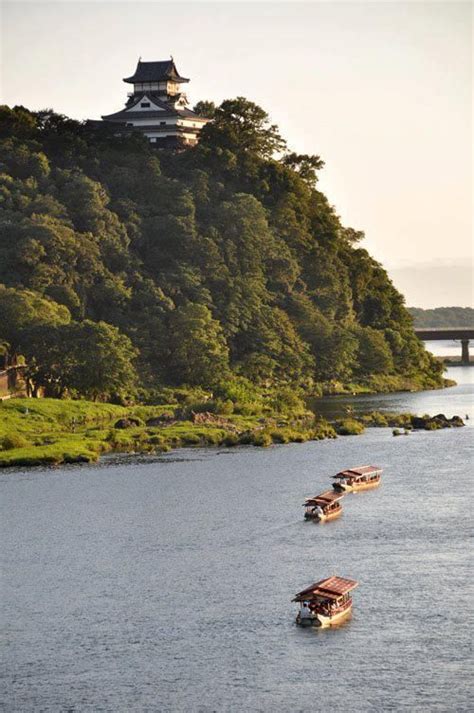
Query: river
164	584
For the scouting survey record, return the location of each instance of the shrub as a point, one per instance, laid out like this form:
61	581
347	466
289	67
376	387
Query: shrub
156	440
375	418
186	411
322	430
279	437
231	440
190	439
152	397
286	400
245	396
14	440
224	407
213	438
349	427
248	408
299	437
261	439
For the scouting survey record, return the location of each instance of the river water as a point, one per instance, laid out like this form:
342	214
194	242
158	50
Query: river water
165	584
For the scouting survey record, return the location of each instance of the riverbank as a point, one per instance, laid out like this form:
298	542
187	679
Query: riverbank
50	432
382	384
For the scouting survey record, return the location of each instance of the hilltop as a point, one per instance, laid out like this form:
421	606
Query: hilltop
127	270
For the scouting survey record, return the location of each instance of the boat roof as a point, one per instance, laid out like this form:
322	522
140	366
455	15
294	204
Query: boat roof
359	471
331	588
329	496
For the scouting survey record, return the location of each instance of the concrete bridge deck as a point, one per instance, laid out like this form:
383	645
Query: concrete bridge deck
460	334
457	333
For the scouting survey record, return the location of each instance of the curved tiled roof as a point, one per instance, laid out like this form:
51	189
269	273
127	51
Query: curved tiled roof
165	109
332	587
155	72
131	115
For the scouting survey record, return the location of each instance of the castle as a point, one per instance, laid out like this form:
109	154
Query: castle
157	106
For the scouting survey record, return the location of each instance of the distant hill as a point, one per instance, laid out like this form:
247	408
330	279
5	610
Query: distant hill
443	317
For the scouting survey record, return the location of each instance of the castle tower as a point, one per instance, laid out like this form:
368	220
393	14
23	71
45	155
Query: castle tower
158	106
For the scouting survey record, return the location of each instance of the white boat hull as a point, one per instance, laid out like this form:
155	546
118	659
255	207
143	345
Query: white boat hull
321	621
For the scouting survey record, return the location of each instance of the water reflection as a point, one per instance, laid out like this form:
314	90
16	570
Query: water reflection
445	348
455	401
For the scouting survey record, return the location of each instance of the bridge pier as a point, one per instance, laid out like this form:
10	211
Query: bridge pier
456	334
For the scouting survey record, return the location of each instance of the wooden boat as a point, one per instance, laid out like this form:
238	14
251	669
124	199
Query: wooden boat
324	507
325	603
364	477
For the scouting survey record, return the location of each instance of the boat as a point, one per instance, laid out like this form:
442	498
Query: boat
363	477
325	603
324	507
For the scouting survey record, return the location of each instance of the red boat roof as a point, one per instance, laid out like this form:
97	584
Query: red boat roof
358	471
332	588
325	498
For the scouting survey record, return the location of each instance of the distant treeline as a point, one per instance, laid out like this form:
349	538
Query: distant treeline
443	317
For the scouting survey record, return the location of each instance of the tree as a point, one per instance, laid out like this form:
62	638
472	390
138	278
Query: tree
205	108
22	162
374	355
241	126
305	165
270	349
17	122
21	310
198	352
90	359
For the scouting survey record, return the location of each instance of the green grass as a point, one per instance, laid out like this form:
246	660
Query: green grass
49	431
30	416
64	451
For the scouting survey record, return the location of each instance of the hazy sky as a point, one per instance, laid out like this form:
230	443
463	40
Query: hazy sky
380	90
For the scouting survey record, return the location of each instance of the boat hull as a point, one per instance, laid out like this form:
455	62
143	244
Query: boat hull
324	518
321	621
356	487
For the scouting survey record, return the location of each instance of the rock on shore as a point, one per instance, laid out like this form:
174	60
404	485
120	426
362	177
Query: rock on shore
432	423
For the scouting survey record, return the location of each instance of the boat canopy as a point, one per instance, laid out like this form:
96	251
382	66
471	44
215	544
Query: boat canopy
329	496
331	588
360	471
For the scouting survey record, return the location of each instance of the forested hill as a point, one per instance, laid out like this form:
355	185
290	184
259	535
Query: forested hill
218	266
442	317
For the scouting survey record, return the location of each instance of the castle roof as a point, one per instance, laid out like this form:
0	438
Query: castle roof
164	110
155	72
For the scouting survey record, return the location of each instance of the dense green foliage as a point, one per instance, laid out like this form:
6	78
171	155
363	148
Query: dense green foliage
221	266
442	317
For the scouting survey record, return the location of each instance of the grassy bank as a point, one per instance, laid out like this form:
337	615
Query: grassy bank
51	432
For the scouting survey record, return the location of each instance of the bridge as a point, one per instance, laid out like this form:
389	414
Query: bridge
459	334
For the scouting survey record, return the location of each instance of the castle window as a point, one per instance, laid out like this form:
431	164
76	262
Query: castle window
145	105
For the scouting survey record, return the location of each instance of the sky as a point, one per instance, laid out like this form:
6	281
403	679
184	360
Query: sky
382	91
